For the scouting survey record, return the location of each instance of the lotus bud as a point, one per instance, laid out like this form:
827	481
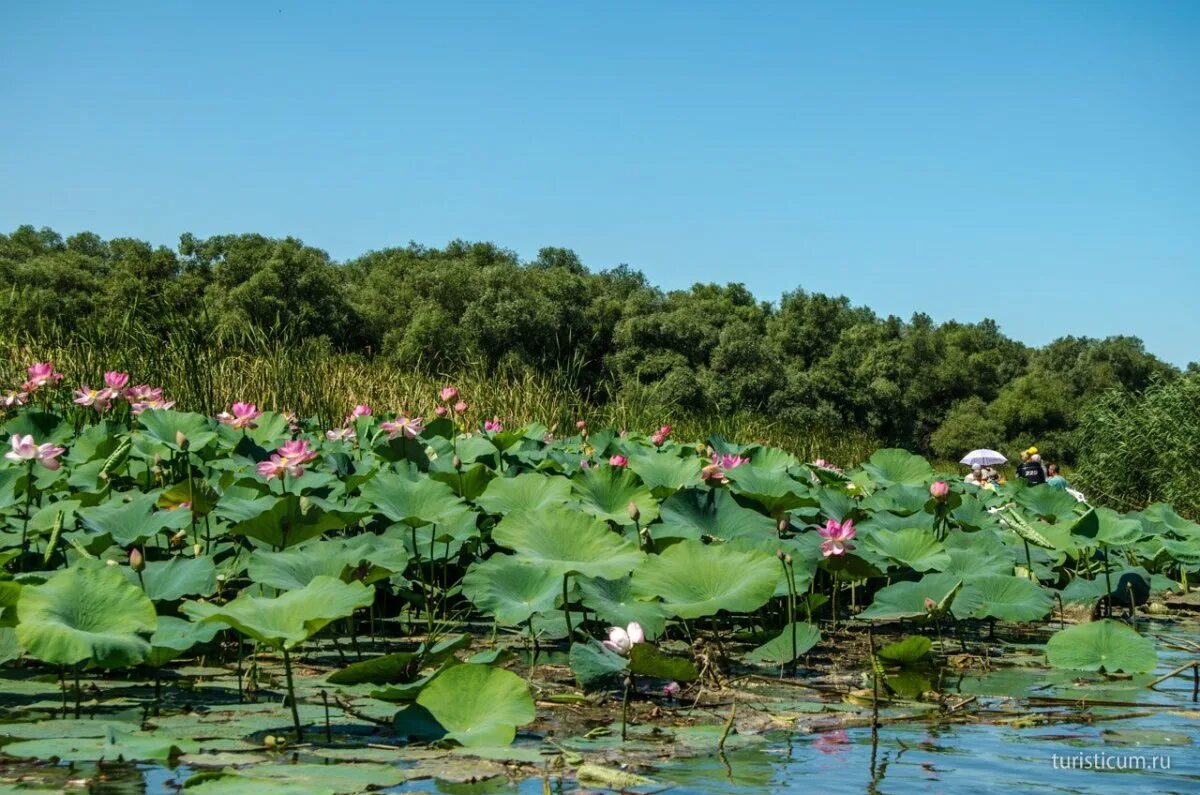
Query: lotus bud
179	538
440	411
939	490
784	522
181	440
136	561
930	605
461	406
779	554
787	559
457	462
197	550
581	424
633	511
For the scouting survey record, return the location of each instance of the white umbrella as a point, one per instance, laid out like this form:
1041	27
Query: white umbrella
983	458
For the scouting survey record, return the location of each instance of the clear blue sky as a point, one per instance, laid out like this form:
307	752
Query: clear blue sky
1038	163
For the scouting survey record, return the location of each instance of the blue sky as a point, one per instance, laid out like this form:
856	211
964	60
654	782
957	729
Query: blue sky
1037	163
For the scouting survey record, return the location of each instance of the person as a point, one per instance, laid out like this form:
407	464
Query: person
1031	469
1055	479
975	476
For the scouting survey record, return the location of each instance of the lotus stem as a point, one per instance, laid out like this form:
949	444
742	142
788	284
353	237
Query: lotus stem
567	609
625	705
287	670
1107	584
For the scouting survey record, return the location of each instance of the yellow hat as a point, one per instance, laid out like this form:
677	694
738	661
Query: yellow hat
1032	451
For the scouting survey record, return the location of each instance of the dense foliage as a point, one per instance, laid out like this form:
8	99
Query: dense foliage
810	361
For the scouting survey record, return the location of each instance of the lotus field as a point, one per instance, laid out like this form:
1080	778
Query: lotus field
412	588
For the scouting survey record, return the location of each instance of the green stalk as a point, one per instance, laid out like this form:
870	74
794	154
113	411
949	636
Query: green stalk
287	668
567	609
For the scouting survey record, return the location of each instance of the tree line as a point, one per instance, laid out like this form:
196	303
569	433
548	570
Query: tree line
810	359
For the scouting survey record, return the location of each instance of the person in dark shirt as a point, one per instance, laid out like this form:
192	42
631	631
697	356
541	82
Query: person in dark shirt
1031	469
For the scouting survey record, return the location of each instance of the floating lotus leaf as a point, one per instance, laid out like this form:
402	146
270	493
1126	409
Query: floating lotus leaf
86	613
907	651
784	648
565	541
694	579
1106	645
511	590
478	705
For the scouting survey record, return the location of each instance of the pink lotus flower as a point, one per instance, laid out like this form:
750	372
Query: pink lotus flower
618	461
12	399
115	380
42	374
23	449
344	434
461	406
722	463
403	426
821	463
493	425
660	436
448	393
152	403
621	641
289	460
581	424
837	537
361	410
96	398
939	490
671	689
440	411
832	742
241	416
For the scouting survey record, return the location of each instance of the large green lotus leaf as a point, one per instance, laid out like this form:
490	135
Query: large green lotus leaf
1047	502
907	599
614	602
286	521
1105	645
607	492
163	427
918	549
343	778
836	504
1107	527
174	636
511	590
132	522
804	550
86	613
565	541
665	473
1185	552
10	647
770	457
694	514
368	558
530	491
42	426
269	431
288	620
907	651
413	502
886	520
968	564
118	744
779	649
1002	597
1123	580
478	705
897	466
176	577
774	490
972	514
695	580
1161	518
468	483
645	659
594	665
900	498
